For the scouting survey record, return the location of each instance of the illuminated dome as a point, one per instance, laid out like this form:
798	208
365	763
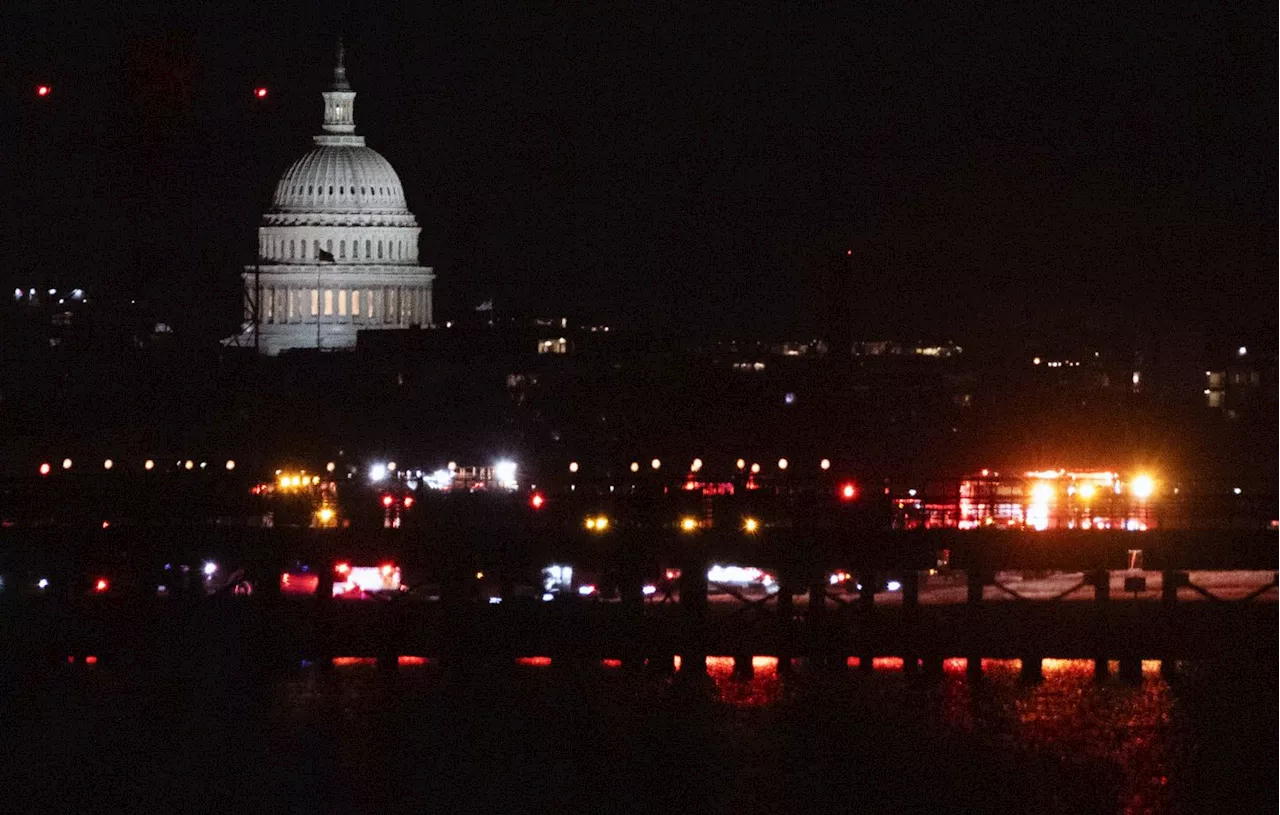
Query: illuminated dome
340	179
338	248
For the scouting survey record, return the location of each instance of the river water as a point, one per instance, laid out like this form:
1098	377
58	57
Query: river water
535	737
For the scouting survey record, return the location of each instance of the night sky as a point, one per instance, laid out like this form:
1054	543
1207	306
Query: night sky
1048	171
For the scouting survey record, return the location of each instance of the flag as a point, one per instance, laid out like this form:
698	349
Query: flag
487	305
326	255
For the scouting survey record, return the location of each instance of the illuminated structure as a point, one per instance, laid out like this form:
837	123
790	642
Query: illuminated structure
338	248
1037	500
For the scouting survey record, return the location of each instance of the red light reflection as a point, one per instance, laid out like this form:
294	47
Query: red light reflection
537	662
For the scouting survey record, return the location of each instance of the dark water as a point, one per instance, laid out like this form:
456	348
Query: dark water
533	738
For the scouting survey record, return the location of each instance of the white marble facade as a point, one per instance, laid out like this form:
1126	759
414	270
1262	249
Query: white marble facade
338	247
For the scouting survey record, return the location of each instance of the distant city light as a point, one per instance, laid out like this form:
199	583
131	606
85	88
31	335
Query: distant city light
741	463
825	464
893	585
210	568
328	468
325	515
655	464
689	524
377	472
45	468
755	467
573	466
849	491
391	466
537	500
1142	486
912	492
1236	490
1241	351
42	583
190	465
505	473
635	466
790	398
1085	490
66	464
695	465
108	464
750	525
782	464
260	92
101	585
149	465
44	90
231	465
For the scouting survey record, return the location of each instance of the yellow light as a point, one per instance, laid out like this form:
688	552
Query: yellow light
750	525
655	464
231	465
190	465
696	465
741	463
66	464
590	523
479	575
573	466
602	523
1142	486
825	464
1086	491
315	479
108	464
688	524
283	481
782	464
325	515
1042	493
330	467
635	466
149	465
755	468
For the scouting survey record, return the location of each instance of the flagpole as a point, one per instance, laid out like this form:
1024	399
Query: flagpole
319	305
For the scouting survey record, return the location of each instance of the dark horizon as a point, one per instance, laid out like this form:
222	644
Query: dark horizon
1034	177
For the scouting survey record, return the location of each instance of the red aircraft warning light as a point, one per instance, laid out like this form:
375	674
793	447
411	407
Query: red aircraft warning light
848	491
537	500
43	90
387	500
260	92
408	501
342	568
101	585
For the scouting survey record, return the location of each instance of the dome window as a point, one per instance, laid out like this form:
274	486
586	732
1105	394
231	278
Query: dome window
309	189
331	189
341	191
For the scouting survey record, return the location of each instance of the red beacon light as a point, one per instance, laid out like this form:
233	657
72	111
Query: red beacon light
101	585
848	491
408	501
260	92
45	468
387	569
387	500
43	90
342	568
537	500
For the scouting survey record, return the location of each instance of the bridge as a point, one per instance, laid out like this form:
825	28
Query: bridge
835	596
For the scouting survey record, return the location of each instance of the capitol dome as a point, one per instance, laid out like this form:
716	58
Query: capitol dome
339	178
338	249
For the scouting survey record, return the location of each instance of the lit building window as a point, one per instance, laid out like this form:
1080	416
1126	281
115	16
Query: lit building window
355	304
315	302
328	302
342	302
